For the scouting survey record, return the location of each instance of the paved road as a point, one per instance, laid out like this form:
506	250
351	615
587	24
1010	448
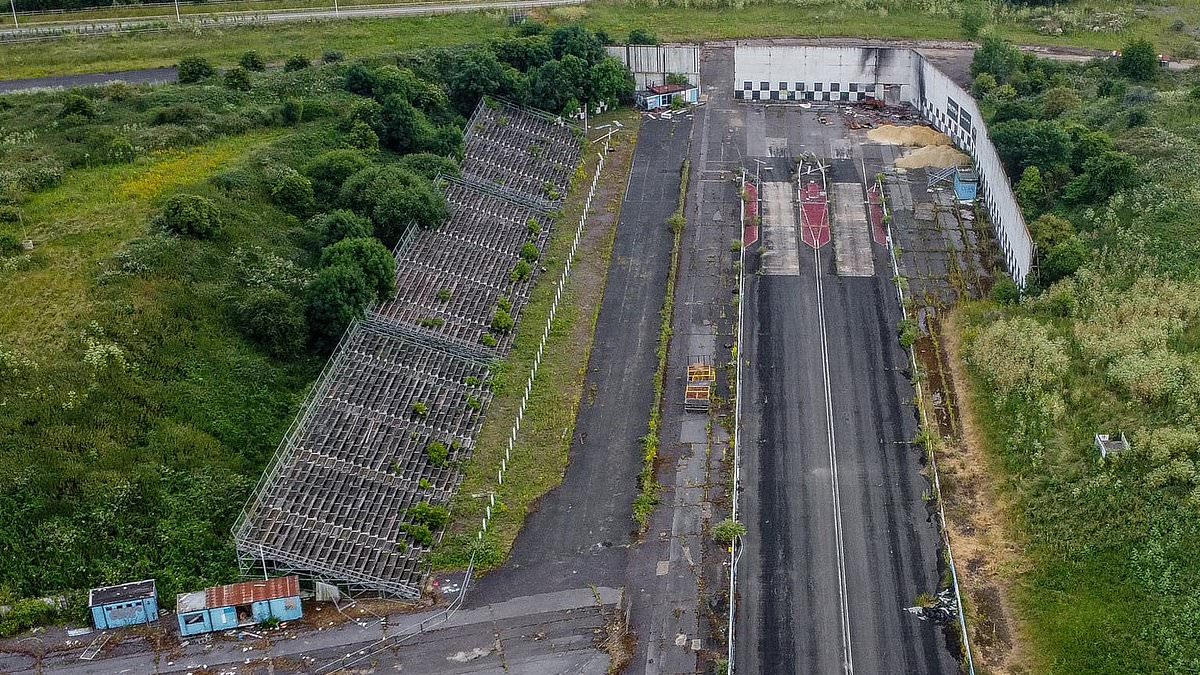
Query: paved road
148	76
839	538
580	532
281	16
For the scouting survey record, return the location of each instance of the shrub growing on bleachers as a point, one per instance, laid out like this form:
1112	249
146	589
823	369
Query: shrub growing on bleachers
190	215
338	295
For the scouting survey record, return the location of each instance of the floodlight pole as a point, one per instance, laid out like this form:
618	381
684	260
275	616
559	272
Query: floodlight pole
178	19
13	5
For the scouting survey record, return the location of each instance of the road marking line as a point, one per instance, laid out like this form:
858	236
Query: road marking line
847	652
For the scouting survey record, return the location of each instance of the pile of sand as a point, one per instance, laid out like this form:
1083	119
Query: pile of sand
941	156
916	135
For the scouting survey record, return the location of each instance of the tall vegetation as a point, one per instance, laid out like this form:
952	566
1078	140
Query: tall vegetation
1106	341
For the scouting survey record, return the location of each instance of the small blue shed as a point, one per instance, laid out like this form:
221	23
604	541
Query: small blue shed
125	605
663	95
245	604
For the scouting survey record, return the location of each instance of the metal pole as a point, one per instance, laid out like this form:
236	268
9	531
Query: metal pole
13	5
335	8
178	19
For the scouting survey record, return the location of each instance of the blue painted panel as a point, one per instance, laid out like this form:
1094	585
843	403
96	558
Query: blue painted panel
194	623
223	618
98	618
966	192
132	613
286	609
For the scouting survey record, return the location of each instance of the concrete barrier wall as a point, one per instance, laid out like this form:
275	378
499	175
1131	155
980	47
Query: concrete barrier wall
953	111
849	74
650	64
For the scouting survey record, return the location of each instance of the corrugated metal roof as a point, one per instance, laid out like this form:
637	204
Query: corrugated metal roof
252	591
670	88
190	602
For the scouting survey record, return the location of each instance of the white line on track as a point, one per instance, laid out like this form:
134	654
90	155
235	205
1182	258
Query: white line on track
847	652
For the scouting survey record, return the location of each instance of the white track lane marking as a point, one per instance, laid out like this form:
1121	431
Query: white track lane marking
847	652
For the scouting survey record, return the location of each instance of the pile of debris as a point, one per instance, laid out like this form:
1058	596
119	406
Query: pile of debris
874	112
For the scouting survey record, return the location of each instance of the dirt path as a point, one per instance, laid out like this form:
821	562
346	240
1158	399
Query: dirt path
979	520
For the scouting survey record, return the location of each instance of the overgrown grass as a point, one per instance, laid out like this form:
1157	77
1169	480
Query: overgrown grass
894	19
541	454
645	502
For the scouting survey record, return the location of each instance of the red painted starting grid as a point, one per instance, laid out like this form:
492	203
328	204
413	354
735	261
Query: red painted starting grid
875	203
814	215
750	236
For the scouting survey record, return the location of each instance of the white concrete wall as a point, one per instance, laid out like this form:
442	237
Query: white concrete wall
650	64
853	73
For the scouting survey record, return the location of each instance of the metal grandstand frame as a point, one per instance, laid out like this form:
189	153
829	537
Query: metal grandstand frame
390	360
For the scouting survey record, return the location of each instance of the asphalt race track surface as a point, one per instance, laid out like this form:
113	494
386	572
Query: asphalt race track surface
839	538
580	532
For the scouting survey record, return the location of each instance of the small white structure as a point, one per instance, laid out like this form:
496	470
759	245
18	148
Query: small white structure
1108	445
663	95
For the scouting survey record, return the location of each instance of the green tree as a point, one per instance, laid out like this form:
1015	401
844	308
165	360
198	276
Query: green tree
296	62
190	215
612	82
1050	231
577	41
1040	143
477	74
359	79
997	57
1031	192
375	262
273	319
1059	100
983	85
405	129
337	296
393	198
237	79
1062	260
328	171
1139	61
974	18
193	69
524	53
1103	176
362	137
640	36
293	193
341	224
252	61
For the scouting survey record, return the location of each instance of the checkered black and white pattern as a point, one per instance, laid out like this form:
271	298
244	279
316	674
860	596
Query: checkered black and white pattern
762	90
955	121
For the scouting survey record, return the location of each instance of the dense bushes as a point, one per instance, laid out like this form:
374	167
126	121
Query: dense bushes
193	69
341	224
393	199
190	215
274	320
329	171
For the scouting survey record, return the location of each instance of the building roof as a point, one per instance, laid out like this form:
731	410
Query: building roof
134	590
252	591
670	88
190	602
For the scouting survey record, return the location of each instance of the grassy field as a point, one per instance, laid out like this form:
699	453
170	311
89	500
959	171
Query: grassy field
540	456
895	19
